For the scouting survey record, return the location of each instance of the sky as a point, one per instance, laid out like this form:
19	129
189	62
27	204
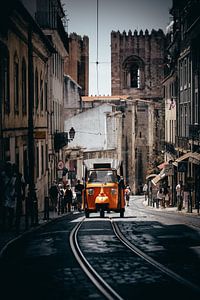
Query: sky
113	15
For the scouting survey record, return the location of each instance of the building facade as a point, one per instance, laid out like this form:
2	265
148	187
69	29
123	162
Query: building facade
50	16
182	103
137	69
24	55
185	56
77	66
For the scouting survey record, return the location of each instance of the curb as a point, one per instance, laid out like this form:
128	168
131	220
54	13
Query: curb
32	229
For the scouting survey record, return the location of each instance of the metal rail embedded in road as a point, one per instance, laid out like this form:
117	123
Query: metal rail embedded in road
150	260
97	280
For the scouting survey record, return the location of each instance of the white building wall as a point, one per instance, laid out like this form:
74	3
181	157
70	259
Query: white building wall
170	120
90	128
72	97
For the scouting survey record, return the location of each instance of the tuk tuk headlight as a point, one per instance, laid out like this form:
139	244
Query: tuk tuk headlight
113	191
90	192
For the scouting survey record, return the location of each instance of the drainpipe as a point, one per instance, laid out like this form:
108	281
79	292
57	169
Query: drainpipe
31	145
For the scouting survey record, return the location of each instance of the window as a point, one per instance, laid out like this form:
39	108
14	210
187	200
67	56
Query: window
47	155
46	96
37	162
25	165
42	159
24	87
135	77
133	72
41	93
36	90
16	84
4	77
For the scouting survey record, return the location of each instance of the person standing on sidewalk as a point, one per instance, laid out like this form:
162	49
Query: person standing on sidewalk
68	198
78	190
9	196
160	198
127	194
179	195
20	195
53	192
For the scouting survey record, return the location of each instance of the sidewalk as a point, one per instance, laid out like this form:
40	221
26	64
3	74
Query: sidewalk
6	237
173	209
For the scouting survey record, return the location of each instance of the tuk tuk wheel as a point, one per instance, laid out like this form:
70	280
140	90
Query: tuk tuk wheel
87	214
102	213
121	214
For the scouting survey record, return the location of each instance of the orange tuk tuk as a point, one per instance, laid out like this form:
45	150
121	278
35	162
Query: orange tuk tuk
104	187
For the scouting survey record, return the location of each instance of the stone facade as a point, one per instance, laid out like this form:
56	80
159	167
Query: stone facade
24	54
137	63
77	66
137	66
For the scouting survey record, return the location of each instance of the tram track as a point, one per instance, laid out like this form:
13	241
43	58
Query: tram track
97	280
105	288
152	261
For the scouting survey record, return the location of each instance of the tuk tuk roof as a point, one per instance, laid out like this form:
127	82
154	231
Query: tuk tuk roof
94	162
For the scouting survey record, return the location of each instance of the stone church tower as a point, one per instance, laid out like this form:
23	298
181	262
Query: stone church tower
137	71
137	63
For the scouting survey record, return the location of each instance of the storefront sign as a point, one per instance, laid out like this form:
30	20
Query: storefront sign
40	135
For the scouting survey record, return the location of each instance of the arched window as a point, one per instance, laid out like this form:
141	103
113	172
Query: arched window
133	68
16	83
4	77
41	93
24	87
135	76
36	90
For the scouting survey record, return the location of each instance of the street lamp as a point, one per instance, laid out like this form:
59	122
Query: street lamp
71	134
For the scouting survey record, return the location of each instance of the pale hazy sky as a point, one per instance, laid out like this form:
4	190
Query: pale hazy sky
113	15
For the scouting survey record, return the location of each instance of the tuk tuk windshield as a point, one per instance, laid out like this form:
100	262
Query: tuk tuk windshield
103	176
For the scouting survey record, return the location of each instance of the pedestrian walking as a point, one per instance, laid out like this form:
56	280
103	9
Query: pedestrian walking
68	195
60	198
53	192
79	187
160	198
20	186
127	194
9	196
166	198
179	195
145	190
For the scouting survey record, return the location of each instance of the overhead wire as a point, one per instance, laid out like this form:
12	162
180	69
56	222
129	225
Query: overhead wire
97	60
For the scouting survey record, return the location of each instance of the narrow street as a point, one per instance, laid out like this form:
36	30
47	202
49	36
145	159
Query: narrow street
41	265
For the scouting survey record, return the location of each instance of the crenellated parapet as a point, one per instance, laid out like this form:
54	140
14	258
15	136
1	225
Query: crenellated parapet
137	62
136	33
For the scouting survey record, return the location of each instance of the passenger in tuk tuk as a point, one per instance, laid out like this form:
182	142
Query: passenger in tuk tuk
93	177
110	177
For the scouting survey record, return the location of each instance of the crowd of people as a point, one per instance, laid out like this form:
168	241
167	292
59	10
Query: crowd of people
162	196
63	198
12	195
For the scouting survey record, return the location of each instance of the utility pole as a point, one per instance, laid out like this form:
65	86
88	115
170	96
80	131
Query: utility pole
31	145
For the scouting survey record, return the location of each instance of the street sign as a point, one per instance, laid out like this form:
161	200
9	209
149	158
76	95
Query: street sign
60	165
60	174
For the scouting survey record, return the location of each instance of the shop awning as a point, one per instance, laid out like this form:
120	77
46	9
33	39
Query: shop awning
193	157
161	166
150	176
183	157
159	177
166	171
